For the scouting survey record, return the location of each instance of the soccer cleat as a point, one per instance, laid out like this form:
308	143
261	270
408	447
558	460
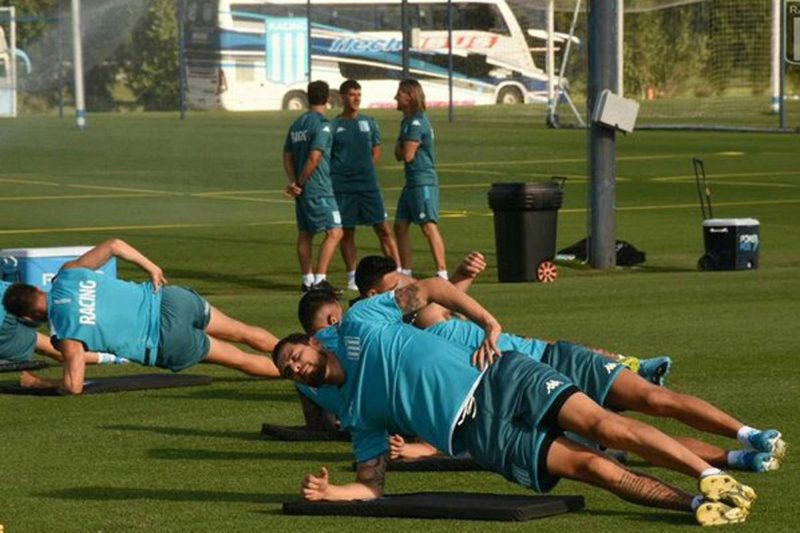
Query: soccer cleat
719	514
768	441
305	288
723	488
325	285
351	286
655	369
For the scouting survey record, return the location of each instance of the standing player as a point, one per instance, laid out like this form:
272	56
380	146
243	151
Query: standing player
419	201
356	151
146	323
306	160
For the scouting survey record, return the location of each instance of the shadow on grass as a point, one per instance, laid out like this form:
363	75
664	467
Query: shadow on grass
182	454
655	516
228	394
187	432
209	276
173	495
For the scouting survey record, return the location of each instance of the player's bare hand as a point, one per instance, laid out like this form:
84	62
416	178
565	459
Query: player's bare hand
315	488
488	352
397	445
472	265
157	277
294	190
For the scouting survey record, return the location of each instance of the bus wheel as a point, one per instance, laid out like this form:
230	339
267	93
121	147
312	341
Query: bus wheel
295	101
509	95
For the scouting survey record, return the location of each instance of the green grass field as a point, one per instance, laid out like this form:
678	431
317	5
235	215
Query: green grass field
203	198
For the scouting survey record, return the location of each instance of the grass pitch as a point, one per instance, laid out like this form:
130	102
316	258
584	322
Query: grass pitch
203	198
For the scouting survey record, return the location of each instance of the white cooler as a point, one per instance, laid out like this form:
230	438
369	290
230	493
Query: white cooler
38	266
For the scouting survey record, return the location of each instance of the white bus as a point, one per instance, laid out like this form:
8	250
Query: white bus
248	55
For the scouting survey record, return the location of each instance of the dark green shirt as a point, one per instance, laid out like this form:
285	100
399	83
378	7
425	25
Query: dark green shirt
352	169
311	131
422	170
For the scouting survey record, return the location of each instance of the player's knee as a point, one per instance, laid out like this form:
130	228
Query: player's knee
660	401
383	231
430	229
335	233
611	430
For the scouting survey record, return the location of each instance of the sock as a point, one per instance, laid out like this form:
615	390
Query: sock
442	274
710	472
744	433
736	458
109	359
405	271
696	501
308	279
319	277
351	276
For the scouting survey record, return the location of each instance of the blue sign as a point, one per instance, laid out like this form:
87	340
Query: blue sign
286	47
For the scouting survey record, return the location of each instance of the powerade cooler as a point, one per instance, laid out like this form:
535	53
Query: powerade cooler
730	244
38	266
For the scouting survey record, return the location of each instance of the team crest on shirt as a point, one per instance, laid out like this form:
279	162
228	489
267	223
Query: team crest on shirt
340	129
416	122
326	128
363	125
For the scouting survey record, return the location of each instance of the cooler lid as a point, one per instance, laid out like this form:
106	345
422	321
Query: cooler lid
57	251
727	222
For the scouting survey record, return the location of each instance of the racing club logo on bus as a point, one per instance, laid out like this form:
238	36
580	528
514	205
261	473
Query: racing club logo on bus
286	57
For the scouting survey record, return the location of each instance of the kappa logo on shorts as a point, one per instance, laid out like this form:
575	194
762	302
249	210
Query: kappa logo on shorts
552	385
422	214
610	367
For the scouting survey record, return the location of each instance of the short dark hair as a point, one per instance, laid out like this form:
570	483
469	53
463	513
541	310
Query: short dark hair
347	86
293	338
370	271
318	93
311	303
20	299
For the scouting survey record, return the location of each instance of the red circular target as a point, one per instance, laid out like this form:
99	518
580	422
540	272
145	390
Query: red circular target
547	272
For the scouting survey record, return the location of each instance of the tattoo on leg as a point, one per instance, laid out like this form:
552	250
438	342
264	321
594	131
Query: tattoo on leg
373	472
651	492
408	299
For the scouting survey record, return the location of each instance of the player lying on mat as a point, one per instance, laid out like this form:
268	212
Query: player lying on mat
19	341
395	378
146	323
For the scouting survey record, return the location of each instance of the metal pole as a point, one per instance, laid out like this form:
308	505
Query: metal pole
308	37
620	47
550	55
77	64
450	59
782	69
602	143
404	30
775	56
12	67
181	60
61	15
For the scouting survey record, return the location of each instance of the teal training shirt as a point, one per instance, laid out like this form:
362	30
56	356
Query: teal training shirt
106	314
3	286
471	335
311	131
422	170
399	379
352	169
326	396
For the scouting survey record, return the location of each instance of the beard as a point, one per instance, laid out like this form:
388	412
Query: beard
317	377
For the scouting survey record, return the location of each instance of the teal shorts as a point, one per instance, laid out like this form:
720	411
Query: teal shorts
361	208
593	374
317	214
184	318
17	341
517	405
419	205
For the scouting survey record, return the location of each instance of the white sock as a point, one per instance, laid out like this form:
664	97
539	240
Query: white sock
319	277
696	501
405	271
308	279
743	434
351	276
710	472
442	274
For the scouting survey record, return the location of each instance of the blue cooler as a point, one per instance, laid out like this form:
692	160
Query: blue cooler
38	266
730	244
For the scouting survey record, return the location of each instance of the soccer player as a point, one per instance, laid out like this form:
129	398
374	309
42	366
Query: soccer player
146	323
395	378
306	161
355	153
419	200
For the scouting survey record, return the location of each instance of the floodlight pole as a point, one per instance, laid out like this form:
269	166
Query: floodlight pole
550	55
12	67
776	58
181	59
77	63
405	34
602	141
450	60
782	68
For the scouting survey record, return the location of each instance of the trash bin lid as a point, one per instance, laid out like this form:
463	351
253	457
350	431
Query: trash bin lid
534	196
726	222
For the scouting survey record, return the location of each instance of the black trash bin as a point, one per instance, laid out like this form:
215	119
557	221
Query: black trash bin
525	218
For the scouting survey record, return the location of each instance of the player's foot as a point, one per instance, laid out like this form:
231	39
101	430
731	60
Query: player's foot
655	369
351	286
768	441
719	514
724	488
325	285
756	462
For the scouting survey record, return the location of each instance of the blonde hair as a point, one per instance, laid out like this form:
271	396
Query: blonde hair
413	89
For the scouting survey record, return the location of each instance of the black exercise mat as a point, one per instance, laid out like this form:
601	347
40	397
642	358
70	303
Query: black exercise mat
37	364
435	464
117	384
302	433
455	505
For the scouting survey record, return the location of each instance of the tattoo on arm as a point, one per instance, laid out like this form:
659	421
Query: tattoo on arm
408	299
651	492
373	472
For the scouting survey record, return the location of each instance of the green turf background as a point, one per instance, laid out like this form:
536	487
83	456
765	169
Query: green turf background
203	199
